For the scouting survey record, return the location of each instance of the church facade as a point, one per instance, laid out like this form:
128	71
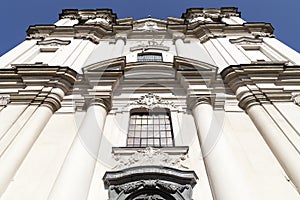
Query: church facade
202	107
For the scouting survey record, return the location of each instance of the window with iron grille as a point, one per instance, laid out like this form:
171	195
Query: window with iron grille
150	129
149	57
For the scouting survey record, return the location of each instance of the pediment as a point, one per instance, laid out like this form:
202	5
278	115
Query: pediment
149	24
186	64
246	40
115	64
54	42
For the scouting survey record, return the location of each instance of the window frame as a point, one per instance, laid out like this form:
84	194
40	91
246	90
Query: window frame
140	55
159	133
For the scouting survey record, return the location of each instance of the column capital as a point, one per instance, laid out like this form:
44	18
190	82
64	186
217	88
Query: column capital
104	102
121	37
246	92
177	36
194	100
52	99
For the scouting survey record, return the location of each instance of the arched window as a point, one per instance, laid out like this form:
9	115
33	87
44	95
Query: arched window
150	128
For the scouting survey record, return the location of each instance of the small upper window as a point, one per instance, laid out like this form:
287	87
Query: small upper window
256	53
149	57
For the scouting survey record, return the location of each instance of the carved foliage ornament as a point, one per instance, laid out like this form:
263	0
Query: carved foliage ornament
149	184
150	156
151	101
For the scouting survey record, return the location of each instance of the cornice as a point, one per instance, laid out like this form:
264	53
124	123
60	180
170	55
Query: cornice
89	14
244	80
207	31
94	33
210	12
48	79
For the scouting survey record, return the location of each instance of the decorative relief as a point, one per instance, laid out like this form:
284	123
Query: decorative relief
261	34
296	98
149	26
150	156
152	44
4	100
149	184
151	101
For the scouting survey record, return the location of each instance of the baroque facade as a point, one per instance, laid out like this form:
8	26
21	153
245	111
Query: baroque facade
201	107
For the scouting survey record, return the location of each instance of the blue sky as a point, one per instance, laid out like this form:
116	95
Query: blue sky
17	15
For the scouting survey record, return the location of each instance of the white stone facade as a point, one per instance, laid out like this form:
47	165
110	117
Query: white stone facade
230	88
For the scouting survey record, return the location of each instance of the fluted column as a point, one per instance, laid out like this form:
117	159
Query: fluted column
75	176
13	157
226	172
285	152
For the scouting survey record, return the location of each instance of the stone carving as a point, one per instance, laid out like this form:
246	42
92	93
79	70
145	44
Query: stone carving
296	98
150	156
152	44
149	184
149	197
151	101
4	100
261	34
149	26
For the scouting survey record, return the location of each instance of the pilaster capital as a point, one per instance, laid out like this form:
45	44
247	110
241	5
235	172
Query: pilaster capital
177	36
104	102
121	37
194	100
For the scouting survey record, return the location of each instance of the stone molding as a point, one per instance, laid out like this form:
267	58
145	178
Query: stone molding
134	181
246	86
53	42
192	13
85	15
94	32
246	40
150	156
51	83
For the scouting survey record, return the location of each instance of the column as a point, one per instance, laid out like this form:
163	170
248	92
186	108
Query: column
14	155
179	44
227	173
119	45
74	179
284	151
